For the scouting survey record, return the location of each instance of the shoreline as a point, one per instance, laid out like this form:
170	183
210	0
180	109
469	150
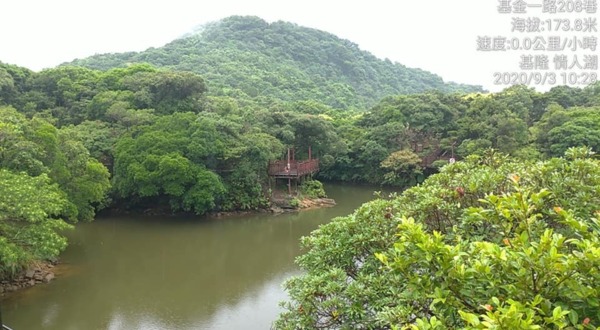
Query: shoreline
43	272
276	207
40	272
315	203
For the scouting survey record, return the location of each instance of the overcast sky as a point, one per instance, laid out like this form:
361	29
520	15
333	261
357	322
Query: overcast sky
435	35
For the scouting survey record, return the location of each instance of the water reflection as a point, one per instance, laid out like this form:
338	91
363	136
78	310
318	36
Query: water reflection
174	273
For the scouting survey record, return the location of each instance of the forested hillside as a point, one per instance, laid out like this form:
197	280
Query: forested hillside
248	57
167	143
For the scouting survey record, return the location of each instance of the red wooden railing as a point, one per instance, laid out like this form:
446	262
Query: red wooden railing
293	168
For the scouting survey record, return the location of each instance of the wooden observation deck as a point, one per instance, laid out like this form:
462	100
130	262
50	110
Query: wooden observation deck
292	169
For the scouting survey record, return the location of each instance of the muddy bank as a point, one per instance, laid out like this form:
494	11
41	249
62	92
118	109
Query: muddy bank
237	213
311	203
41	272
294	204
281	206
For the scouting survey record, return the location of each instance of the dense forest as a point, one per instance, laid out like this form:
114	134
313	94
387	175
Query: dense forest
191	127
246	57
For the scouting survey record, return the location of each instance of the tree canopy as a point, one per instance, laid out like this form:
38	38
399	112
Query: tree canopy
35	146
490	242
244	56
30	229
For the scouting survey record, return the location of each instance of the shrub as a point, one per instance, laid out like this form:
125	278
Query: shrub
489	242
313	189
295	203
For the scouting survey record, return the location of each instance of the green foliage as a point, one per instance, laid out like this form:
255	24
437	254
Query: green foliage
560	129
272	86
294	203
165	91
300	131
158	160
66	92
245	184
312	189
37	147
97	137
435	126
12	82
486	243
403	167
246	57
29	229
339	289
127	96
197	162
264	83
81	177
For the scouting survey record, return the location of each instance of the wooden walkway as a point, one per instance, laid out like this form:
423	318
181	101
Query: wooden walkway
293	169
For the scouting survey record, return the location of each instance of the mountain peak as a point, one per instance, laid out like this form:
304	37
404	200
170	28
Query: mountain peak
283	61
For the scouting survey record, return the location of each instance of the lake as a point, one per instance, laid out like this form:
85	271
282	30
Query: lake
150	272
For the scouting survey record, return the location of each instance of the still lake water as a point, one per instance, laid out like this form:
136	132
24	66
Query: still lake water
140	272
